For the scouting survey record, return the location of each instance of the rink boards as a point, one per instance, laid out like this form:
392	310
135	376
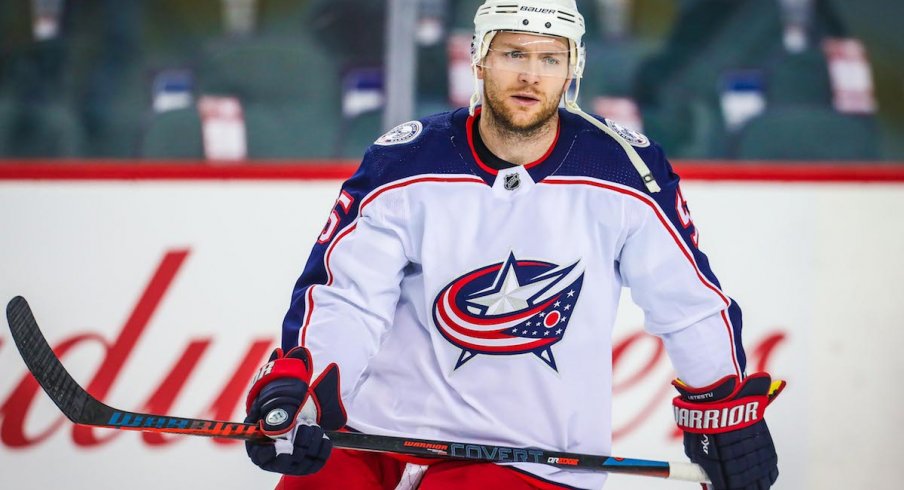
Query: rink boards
165	292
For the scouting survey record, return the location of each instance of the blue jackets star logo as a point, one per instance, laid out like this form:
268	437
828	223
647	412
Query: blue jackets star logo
509	308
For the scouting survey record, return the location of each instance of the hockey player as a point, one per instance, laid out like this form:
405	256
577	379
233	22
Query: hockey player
466	284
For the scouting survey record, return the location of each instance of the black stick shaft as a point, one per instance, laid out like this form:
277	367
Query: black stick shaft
82	408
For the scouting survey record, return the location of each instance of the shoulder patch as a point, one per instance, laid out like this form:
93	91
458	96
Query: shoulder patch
631	136
401	134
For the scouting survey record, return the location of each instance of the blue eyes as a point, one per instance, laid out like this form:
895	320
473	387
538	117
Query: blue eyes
548	59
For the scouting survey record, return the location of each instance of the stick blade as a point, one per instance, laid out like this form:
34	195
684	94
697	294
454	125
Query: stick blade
43	364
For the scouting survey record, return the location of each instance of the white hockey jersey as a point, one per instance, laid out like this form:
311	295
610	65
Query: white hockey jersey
465	303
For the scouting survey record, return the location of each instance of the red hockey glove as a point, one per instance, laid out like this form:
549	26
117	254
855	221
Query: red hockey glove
724	430
294	412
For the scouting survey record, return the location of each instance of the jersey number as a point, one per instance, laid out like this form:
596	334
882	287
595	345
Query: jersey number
343	202
684	216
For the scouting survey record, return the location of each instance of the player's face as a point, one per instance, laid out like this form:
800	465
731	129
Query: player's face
524	76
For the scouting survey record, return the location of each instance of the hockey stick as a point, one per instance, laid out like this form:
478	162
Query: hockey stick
82	408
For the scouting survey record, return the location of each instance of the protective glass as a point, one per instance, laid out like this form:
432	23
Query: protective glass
536	55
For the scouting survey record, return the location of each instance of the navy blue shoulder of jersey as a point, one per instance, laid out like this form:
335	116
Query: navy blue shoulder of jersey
430	151
411	149
597	155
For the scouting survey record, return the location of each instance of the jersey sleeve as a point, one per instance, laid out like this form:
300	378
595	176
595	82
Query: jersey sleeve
671	280
345	299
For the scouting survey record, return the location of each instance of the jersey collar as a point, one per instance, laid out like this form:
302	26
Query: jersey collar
462	127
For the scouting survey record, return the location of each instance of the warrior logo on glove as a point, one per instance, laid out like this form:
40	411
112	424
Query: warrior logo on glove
508	308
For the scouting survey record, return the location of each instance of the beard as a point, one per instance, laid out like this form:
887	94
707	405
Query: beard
505	116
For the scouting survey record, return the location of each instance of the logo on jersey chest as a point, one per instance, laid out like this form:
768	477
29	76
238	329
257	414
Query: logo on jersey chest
509	308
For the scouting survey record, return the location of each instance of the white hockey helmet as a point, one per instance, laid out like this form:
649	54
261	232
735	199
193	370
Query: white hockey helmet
546	17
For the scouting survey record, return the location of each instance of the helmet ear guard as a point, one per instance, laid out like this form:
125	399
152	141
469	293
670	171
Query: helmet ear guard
480	45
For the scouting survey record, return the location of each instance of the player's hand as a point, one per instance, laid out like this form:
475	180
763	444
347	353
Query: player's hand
724	430
294	412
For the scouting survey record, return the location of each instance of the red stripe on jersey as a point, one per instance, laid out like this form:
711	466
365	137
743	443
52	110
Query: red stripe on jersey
373	195
477	334
309	308
403	183
348	230
665	222
674	234
329	281
329	251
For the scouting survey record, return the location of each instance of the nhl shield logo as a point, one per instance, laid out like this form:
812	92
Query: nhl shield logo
512	181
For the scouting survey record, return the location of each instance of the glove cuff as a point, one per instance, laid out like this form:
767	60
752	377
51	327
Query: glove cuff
728	404
719	390
330	410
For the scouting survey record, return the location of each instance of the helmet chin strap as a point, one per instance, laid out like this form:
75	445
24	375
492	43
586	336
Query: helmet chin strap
571	105
475	97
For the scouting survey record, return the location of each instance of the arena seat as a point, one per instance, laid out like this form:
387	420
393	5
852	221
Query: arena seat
39	131
174	134
801	78
807	133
